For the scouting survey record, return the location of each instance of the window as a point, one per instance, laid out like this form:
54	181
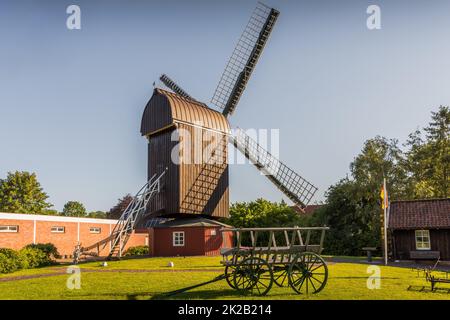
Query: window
95	230
58	229
178	239
9	228
423	240
213	232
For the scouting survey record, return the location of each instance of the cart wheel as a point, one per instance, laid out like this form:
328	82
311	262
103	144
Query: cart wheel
308	273
280	275
253	275
229	274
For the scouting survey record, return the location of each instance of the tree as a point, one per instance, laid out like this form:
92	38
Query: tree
353	214
21	192
97	214
74	209
116	211
428	158
263	213
352	209
381	158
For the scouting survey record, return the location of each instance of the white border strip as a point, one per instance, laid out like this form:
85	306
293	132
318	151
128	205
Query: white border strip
38	217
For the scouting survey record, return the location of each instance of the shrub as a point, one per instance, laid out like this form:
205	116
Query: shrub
48	248
34	257
137	251
10	261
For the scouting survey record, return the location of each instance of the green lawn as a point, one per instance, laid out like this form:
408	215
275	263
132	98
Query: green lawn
346	281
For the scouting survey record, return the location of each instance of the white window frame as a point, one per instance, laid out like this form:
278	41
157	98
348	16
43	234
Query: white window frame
178	238
422	244
95	230
9	229
213	232
58	229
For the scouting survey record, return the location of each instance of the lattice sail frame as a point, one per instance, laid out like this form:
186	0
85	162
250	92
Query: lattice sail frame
169	83
295	187
244	58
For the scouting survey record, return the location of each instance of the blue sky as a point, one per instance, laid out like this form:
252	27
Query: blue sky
71	100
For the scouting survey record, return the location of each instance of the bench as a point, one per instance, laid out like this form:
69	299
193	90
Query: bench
369	251
424	255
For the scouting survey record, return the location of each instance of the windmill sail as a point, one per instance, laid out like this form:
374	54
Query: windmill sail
169	83
295	187
244	58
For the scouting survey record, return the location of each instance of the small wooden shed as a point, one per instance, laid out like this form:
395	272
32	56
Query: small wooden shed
420	229
191	141
188	237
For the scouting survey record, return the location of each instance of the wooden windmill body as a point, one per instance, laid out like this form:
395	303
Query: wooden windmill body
191	141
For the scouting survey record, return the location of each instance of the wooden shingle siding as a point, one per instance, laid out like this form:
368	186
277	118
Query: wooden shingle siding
404	242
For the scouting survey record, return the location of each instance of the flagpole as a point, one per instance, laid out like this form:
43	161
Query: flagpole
385	222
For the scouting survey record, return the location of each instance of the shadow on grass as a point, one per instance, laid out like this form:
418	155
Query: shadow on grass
210	294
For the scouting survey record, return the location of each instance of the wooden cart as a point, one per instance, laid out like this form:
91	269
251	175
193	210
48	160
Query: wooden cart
260	257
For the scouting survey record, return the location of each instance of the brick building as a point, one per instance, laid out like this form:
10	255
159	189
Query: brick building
19	230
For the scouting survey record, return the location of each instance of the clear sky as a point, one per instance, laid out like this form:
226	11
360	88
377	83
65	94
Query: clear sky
71	100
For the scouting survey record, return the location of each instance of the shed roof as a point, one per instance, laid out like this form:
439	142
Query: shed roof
166	108
191	222
420	214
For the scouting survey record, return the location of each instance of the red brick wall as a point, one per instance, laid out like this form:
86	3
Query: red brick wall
65	242
17	240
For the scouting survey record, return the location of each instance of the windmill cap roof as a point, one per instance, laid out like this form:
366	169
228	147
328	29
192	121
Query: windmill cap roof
166	108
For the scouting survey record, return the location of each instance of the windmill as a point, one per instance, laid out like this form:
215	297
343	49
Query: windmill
173	118
226	97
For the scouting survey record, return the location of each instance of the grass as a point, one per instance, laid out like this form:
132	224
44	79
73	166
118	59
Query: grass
346	281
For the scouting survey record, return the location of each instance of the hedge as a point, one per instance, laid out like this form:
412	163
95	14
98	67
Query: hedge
31	256
137	251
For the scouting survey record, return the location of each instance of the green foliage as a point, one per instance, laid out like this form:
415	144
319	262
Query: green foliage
48	248
74	209
97	215
428	157
353	215
353	207
120	207
20	192
33	258
137	251
263	213
10	261
50	212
